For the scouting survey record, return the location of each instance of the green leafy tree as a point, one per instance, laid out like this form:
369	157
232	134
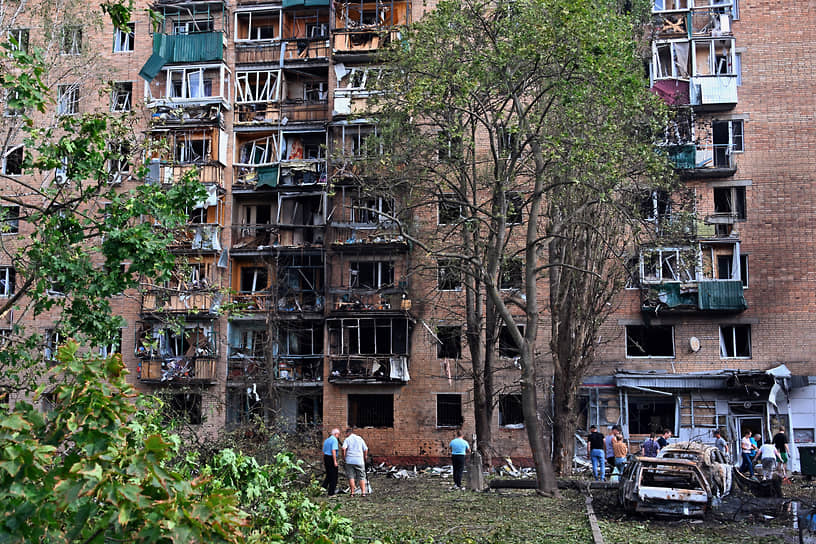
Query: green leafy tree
533	118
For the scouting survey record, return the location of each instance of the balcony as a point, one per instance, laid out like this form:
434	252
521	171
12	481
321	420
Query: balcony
703	161
374	369
252	303
166	173
361	42
178	370
362	241
294	51
715	296
295	111
189	93
342	300
179	301
299	369
183	48
287	175
206	237
713	93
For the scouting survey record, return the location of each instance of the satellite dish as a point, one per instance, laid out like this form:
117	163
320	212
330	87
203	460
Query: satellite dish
694	344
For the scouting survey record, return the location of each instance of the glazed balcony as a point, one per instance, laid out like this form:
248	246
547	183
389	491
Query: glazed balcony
168	173
343	300
177	88
298	369
192	48
293	111
286	175
703	161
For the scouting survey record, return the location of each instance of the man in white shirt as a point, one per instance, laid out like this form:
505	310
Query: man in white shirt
354	450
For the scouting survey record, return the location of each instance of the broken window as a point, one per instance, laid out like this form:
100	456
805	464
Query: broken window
258	86
12	106
51	342
449	410
122	96
315	91
71	40
727	138
114	347
123	40
192	147
191	82
510	410
372	210
305	339
248	342
670	5
727	271
730	202
371	274
184	407
650	415
511	273
371	410
655	341
353	140
18	38
7	280
193	26
667	264
9	219
254	279
507	346
515	206
735	341
304	146
257	26
262	150
714	57
119	161
361	336
243	405
450	342
449	276
12	163
67	99
450	210
670	60
680	130
655	206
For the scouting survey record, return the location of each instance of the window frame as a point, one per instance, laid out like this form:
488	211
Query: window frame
18	162
504	402
122	89
448	276
452	400
353	416
68	99
10	218
448	208
506	347
452	333
8	281
725	338
124	42
74	34
645	332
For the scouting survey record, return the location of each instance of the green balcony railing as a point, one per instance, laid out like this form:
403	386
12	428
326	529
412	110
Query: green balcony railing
198	47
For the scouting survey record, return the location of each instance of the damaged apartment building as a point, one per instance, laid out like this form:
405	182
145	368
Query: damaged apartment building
297	301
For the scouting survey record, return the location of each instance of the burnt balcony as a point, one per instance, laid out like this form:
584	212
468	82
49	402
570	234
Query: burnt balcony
391	299
351	240
286	175
294	51
159	300
710	296
361	42
201	237
241	367
293	111
178	370
299	369
373	369
255	302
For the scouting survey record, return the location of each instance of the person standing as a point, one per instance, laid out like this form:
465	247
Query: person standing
621	450
595	451
330	447
663	441
720	443
608	441
354	450
747	448
650	446
780	442
459	448
768	456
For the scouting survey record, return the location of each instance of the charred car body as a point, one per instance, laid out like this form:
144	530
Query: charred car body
683	480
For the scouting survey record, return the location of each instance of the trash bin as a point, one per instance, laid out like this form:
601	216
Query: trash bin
807	460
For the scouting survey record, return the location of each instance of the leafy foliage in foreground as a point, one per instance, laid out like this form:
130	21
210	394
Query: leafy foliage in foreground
96	469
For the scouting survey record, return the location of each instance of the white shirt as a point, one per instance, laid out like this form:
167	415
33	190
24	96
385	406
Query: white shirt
767	451
354	448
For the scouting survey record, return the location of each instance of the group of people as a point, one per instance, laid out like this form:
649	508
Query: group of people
613	449
771	454
354	451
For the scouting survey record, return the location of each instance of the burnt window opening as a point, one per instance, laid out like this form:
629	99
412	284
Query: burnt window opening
242	406
725	268
449	277
730	201
184	407
449	210
507	346
12	163
449	410
515	207
372	210
52	339
385	336
511	274
115	347
650	415
371	411
510	410
450	342
643	341
9	219
735	341
655	206
371	274
254	279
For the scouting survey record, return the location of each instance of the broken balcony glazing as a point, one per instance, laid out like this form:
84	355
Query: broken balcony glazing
361	27
183	353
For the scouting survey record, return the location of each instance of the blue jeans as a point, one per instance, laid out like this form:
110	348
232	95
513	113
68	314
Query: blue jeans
598	459
747	459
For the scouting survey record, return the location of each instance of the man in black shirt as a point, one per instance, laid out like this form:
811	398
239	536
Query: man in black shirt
663	441
780	441
595	452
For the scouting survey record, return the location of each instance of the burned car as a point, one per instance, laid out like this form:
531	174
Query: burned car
712	462
664	486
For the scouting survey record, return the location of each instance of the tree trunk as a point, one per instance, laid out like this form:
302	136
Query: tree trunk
546	483
565	422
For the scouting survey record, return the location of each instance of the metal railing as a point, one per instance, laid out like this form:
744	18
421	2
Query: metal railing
291	50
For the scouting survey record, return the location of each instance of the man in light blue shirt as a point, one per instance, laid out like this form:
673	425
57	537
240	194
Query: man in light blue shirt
459	448
354	450
330	447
